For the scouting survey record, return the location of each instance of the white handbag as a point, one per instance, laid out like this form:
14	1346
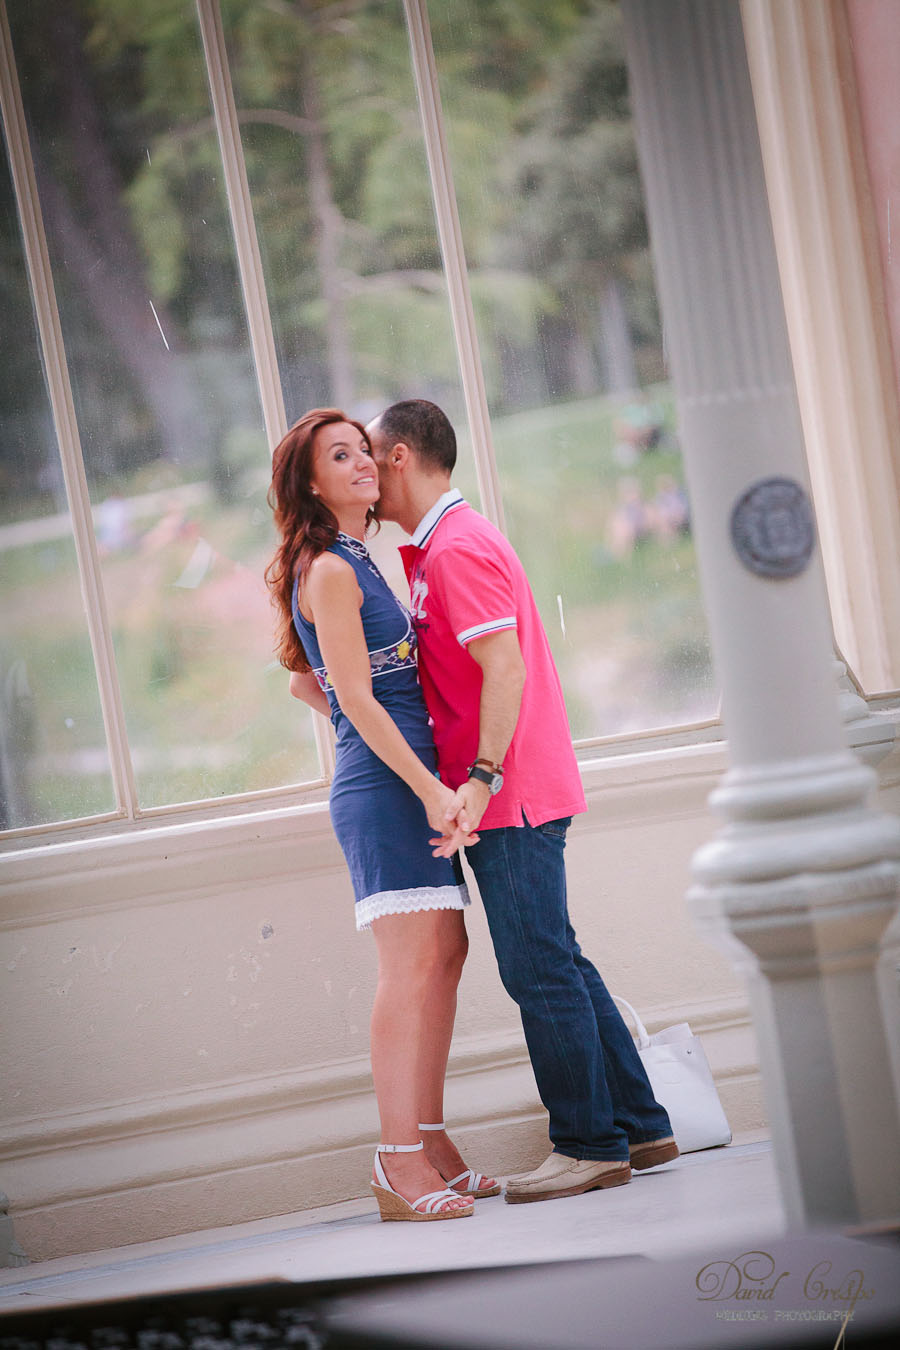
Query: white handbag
682	1082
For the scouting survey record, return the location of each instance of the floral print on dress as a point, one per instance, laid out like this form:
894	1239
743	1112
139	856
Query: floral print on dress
400	656
359	550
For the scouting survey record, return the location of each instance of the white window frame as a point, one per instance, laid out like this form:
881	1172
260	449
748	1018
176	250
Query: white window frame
65	422
128	813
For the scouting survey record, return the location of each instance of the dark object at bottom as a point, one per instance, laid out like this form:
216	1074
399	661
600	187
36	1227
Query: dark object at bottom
815	1290
794	1292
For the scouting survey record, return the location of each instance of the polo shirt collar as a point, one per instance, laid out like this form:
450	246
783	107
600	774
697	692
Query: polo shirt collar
427	525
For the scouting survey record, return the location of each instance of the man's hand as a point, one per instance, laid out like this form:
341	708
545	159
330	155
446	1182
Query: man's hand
442	816
468	804
470	801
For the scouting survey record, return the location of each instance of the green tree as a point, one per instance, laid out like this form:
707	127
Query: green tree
536	101
81	173
580	219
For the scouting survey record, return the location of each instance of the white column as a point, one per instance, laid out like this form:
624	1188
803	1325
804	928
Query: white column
802	880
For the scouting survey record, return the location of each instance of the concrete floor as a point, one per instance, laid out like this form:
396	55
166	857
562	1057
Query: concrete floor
722	1200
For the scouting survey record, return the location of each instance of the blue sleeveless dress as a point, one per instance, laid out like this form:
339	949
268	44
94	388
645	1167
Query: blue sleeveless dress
380	823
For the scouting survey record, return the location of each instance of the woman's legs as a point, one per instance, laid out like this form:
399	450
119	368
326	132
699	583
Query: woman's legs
420	960
440	1013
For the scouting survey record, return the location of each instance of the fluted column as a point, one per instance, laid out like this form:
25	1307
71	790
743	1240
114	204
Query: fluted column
801	882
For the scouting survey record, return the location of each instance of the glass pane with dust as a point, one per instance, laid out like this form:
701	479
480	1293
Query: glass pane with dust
54	764
542	147
343	206
131	187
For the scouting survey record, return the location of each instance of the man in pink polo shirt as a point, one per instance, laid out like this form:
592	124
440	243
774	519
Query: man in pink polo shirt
503	743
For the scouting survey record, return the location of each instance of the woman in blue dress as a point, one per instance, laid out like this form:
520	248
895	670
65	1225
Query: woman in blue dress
350	646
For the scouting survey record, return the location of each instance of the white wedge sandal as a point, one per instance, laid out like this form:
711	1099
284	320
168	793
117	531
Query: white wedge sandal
392	1205
474	1181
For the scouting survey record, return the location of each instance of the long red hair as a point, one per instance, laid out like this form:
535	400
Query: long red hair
305	524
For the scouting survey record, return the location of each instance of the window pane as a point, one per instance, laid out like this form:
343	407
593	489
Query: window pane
343	208
536	102
53	757
131	188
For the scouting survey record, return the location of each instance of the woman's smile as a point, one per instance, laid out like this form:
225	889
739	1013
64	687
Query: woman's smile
344	472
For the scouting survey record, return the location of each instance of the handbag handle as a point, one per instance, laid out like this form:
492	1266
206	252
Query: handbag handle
643	1036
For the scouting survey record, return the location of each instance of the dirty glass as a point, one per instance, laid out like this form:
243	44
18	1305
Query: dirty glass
131	189
53	758
342	203
132	193
542	147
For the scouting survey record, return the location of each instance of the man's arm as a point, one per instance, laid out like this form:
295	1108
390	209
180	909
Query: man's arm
503	679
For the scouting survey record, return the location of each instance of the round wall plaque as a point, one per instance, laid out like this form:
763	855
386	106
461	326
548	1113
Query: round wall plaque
772	528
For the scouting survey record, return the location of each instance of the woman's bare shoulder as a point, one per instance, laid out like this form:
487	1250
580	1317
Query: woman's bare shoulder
330	578
328	565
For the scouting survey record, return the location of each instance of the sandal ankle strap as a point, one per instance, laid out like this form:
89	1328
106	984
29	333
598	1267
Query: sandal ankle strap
399	1148
441	1126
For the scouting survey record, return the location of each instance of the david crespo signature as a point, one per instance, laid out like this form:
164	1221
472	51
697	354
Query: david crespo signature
753	1279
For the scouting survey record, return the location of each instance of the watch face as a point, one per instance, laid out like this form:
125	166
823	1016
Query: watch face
492	781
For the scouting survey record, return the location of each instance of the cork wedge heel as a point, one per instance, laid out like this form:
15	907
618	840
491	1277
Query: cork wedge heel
432	1205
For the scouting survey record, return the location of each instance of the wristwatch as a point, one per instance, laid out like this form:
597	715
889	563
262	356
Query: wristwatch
483	771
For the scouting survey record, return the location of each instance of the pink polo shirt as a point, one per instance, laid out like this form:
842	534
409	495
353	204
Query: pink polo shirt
466	581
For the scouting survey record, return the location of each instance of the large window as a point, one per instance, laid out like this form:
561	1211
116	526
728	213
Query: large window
119	168
544	161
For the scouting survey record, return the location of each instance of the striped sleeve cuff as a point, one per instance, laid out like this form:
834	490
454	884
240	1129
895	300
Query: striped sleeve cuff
482	629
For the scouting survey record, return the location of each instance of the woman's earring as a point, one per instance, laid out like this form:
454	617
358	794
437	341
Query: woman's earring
314	491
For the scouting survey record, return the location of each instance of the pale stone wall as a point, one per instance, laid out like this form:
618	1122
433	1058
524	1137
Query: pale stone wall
187	1010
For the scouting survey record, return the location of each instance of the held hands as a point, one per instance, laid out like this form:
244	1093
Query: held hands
441	809
461	817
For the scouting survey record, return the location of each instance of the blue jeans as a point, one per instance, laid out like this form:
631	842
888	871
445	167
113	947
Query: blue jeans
588	1072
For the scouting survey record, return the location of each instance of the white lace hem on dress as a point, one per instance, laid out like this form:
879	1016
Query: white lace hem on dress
409	902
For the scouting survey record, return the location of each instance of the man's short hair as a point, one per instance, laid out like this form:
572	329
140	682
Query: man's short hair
425	429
